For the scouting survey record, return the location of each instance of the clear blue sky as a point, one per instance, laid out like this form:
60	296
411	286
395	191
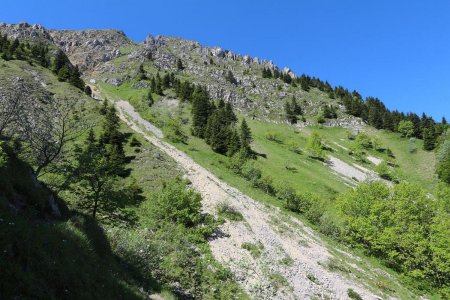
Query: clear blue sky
398	51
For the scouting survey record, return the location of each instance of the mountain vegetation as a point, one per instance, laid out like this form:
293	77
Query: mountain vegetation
93	204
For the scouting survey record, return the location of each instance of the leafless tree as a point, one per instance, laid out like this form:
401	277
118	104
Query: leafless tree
47	132
11	101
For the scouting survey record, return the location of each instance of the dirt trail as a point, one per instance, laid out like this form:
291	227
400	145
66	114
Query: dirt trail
303	274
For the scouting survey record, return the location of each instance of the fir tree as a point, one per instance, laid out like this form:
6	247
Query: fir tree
166	81
229	114
245	135
200	112
141	74
230	78
290	115
180	64
153	85
234	143
296	109
150	99
111	137
429	139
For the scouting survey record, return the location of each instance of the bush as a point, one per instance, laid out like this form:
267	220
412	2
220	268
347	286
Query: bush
330	226
315	210
274	137
385	172
251	173
294	147
224	209
412	147
353	295
176	204
135	143
265	183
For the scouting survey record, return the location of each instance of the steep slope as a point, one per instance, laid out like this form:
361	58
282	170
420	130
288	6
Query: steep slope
289	260
266	249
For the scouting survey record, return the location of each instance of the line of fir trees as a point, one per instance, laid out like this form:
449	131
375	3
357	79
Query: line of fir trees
292	110
371	110
216	124
277	74
39	53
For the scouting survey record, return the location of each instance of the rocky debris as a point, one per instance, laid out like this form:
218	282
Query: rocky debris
89	48
113	81
350	122
278	237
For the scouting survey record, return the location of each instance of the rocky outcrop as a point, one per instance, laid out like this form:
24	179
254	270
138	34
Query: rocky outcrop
90	48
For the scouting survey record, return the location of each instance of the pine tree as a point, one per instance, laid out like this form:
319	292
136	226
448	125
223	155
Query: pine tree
234	143
444	121
230	78
180	64
229	114
60	61
159	89
112	136
200	112
245	135
429	139
289	113
296	109
75	78
217	132
153	85
304	84
150	99
166	81
141	74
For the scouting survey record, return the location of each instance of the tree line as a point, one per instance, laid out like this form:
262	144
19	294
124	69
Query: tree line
372	110
40	53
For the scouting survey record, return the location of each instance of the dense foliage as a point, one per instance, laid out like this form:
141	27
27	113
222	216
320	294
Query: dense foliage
404	227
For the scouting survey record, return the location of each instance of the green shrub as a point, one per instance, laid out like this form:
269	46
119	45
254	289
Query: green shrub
251	173
254	249
224	209
274	137
353	295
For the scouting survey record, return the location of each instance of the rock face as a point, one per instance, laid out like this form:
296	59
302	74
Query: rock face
90	48
109	56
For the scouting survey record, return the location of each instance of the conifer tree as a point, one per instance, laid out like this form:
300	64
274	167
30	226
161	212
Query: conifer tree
112	136
180	64
234	143
141	74
290	115
245	135
153	85
166	81
429	139
200	112
150	99
296	109
229	114
230	78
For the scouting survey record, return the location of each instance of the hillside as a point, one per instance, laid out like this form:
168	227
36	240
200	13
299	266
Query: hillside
283	197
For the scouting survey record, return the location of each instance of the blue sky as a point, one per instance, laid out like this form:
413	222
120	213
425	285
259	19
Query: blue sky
398	51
